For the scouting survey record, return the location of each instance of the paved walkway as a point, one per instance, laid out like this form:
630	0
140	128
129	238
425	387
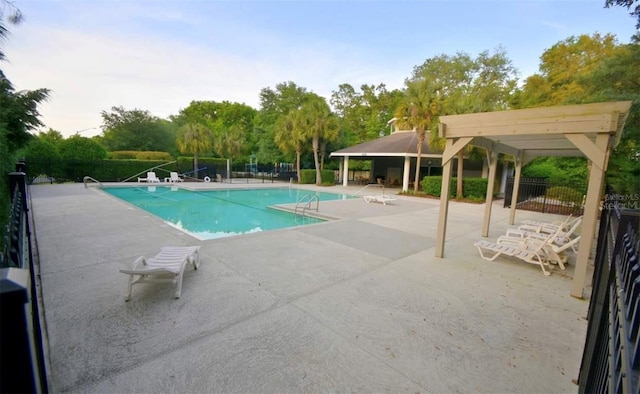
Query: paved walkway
358	304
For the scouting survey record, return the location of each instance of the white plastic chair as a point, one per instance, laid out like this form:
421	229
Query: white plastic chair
175	177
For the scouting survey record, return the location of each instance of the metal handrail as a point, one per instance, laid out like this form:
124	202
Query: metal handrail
307	199
87	178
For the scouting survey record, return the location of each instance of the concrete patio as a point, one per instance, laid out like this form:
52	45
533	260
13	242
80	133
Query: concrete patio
358	304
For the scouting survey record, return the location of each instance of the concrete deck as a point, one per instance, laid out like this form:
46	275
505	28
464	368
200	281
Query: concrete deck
358	304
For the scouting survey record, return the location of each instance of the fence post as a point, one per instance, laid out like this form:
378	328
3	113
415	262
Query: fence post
17	372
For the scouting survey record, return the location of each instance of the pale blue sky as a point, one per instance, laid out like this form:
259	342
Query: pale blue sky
160	55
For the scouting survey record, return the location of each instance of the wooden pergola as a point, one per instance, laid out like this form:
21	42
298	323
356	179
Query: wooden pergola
589	130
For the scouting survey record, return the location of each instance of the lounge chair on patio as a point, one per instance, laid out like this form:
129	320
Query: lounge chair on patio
151	177
554	251
529	250
166	266
379	198
550	227
562	234
174	177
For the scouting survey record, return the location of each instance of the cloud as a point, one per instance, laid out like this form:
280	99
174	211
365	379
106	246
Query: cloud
89	72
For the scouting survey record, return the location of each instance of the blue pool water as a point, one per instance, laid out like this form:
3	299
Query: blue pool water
220	213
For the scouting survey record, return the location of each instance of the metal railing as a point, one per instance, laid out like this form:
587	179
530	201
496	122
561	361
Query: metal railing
22	356
538	194
611	357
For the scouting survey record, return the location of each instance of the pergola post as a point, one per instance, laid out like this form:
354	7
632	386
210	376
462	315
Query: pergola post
597	154
492	159
345	176
516	187
444	200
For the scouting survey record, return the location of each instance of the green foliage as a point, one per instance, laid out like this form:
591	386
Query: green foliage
82	148
308	177
562	68
139	155
136	130
472	188
39	148
558	170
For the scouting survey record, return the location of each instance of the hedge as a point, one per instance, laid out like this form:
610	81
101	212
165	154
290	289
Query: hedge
118	170
309	177
139	155
472	188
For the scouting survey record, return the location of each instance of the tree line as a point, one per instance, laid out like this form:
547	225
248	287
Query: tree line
294	124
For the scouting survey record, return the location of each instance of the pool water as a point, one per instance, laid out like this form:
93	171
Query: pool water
220	213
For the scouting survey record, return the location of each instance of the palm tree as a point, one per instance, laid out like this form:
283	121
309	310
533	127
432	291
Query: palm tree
315	124
194	138
418	112
14	17
288	136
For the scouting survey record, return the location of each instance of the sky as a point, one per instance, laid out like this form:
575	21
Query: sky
159	55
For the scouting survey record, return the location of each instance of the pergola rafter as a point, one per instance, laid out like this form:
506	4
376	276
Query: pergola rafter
589	130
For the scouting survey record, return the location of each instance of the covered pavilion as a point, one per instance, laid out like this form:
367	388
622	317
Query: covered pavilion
400	148
589	130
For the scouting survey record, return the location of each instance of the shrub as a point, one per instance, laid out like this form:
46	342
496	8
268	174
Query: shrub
139	155
472	188
309	177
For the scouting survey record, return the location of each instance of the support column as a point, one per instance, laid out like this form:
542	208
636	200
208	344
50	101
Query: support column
406	173
598	154
345	178
516	186
492	158
444	200
341	171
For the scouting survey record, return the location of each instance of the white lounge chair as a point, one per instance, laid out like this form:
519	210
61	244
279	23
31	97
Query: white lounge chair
554	251
379	198
151	177
174	177
167	266
569	225
529	250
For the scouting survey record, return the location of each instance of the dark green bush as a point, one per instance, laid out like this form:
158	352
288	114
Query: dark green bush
309	177
472	188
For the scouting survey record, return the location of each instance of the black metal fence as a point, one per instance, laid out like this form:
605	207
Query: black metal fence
22	366
611	358
538	194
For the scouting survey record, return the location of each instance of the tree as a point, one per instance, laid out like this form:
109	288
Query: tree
364	115
594	69
314	123
194	138
52	136
468	85
81	148
18	113
289	136
135	130
273	123
561	68
40	148
419	112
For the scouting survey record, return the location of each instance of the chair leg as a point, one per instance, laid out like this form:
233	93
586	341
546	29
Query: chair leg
179	284
127	297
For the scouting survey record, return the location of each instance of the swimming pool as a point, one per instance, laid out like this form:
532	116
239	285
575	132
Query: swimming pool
214	214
